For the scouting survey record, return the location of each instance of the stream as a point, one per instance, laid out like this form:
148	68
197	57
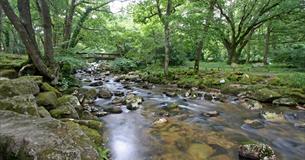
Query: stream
187	134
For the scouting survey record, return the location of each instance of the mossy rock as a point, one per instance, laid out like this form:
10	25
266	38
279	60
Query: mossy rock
36	79
264	95
8	73
48	88
69	100
24	104
19	86
47	99
43	112
64	111
12	61
46	138
93	134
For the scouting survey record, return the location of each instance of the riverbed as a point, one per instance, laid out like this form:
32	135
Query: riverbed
187	133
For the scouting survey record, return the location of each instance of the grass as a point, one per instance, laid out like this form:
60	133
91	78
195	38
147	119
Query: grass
282	74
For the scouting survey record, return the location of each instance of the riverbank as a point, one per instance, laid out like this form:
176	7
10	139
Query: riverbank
38	121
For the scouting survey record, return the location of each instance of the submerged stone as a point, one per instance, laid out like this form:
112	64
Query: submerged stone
284	102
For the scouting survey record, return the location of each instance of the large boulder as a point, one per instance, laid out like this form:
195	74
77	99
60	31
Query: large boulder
264	95
24	104
48	88
133	102
67	107
19	86
104	93
27	138
9	73
47	99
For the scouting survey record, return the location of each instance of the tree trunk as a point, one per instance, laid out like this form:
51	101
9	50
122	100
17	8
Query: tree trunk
32	50
198	55
68	24
26	19
48	34
267	44
1	30
167	48
231	55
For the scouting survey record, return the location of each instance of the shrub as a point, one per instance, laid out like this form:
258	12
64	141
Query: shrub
123	65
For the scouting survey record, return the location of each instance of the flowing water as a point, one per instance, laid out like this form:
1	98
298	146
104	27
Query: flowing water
188	135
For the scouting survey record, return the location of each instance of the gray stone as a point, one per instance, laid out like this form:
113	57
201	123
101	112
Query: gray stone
27	138
24	104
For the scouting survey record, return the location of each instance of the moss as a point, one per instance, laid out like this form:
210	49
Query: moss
36	79
15	87
93	134
47	99
48	88
9	73
24	104
12	61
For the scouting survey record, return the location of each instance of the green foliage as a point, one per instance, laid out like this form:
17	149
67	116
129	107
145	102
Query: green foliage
70	62
294	55
296	80
123	65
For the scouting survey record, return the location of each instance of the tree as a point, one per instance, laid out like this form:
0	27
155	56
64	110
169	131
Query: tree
202	40
24	27
241	18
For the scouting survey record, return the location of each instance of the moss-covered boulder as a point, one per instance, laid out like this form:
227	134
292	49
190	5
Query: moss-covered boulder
8	73
93	134
284	102
12	61
19	86
48	88
36	79
43	113
66	108
47	99
24	104
27	138
264	95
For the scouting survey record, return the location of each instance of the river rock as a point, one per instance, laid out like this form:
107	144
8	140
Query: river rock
255	124
284	102
200	151
23	104
208	96
160	121
96	84
272	117
170	93
26	137
118	100
171	106
90	94
251	104
67	107
256	152
104	93
210	114
19	86
113	109
47	99
133	102
119	93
